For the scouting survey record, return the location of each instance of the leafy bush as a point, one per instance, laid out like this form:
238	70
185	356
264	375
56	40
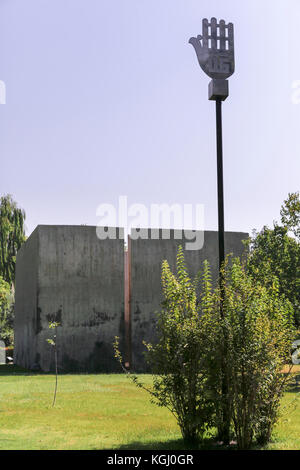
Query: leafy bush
210	368
259	332
181	359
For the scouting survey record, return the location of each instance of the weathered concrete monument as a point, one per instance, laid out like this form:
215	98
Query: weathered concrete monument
68	275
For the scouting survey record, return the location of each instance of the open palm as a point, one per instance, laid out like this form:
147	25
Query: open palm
215	48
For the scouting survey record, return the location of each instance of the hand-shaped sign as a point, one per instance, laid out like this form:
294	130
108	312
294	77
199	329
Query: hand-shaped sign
215	48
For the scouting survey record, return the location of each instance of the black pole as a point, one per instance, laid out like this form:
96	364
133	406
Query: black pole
220	184
225	431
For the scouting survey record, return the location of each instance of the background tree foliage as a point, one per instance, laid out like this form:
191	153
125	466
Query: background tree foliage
6	312
290	214
12	235
275	255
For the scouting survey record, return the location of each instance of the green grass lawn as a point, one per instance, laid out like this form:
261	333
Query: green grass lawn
99	412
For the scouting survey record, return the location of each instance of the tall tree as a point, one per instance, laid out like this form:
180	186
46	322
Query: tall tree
12	235
275	254
290	214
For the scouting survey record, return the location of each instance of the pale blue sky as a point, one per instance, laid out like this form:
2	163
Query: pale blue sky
106	98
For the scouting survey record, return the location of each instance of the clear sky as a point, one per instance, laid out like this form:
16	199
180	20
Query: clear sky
106	98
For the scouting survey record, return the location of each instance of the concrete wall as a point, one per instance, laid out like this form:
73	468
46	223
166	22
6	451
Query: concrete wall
66	274
26	325
146	259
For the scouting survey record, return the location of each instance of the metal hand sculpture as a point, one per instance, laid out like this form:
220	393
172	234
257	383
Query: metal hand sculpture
215	51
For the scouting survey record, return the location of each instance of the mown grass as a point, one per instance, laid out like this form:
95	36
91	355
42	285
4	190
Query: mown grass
104	411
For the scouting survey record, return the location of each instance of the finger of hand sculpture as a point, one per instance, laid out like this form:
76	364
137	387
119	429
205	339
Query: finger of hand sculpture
215	49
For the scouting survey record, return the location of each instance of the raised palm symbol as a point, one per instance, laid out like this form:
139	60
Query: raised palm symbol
215	52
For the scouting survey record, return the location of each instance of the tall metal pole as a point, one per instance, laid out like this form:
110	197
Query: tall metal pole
220	188
221	235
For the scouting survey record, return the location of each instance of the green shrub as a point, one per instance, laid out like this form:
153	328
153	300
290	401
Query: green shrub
212	370
258	324
181	359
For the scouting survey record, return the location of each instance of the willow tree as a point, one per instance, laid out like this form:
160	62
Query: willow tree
12	235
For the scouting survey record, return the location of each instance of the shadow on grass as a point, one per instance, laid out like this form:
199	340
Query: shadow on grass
176	444
11	369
